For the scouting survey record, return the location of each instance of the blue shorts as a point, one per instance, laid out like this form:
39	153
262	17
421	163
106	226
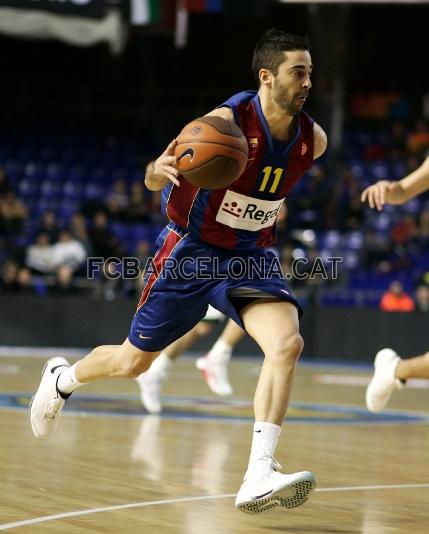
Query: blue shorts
187	275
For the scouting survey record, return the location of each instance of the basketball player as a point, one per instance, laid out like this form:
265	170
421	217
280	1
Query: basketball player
283	142
391	371
214	365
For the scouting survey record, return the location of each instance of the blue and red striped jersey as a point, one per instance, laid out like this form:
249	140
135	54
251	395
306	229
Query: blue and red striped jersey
243	215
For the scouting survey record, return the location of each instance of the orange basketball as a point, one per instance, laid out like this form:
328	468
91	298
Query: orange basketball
211	152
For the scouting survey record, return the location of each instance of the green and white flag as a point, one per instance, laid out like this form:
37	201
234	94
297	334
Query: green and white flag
145	12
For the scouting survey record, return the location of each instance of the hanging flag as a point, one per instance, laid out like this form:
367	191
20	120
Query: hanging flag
182	21
212	6
145	12
183	8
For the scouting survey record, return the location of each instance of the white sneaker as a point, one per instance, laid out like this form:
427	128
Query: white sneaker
216	375
150	390
268	488
47	403
384	381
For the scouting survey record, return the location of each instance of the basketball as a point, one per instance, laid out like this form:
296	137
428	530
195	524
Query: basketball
211	152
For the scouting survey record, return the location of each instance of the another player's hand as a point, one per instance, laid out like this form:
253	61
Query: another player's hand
376	194
166	165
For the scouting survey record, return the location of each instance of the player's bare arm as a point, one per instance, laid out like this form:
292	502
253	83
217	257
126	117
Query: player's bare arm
399	192
320	140
163	169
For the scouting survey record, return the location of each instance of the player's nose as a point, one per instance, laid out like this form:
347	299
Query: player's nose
307	83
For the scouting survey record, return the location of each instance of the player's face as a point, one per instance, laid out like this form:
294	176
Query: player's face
292	83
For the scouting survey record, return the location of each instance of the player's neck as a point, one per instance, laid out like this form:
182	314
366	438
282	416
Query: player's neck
282	125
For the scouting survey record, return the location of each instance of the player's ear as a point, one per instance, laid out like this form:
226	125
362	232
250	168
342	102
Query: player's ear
265	77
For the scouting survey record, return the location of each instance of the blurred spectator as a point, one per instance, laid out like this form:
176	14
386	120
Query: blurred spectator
396	300
49	225
68	251
64	283
377	249
143	252
374	152
111	283
80	232
422	298
418	141
424	279
424	227
8	277
104	243
118	200
156	206
405	230
345	208
138	210
40	255
4	183
13	214
25	284
397	148
310	204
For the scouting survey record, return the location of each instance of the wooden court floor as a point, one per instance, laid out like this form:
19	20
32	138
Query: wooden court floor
113	469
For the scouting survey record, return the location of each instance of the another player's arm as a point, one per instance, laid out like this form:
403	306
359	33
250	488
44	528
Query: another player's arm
320	141
163	169
398	192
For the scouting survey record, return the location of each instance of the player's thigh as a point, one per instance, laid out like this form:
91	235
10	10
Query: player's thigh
273	324
165	317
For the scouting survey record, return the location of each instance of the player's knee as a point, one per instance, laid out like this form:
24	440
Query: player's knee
132	367
289	348
203	329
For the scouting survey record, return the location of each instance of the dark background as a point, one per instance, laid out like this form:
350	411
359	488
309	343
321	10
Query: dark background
369	47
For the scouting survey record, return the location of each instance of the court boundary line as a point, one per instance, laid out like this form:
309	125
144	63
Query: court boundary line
394	417
127	506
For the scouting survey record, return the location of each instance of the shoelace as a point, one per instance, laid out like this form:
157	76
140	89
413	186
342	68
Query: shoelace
271	461
52	408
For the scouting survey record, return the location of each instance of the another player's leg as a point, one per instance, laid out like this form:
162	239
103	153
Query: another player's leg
392	372
151	381
214	365
274	326
59	380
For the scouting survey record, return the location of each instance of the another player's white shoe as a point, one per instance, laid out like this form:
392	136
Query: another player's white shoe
216	375
268	488
384	381
150	390
47	403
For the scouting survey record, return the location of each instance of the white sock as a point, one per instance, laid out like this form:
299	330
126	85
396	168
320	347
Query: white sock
265	438
161	365
220	352
67	381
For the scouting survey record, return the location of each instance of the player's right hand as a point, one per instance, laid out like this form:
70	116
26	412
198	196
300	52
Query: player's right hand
376	194
166	165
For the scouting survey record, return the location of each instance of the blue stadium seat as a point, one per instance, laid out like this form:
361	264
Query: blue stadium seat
72	190
50	189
